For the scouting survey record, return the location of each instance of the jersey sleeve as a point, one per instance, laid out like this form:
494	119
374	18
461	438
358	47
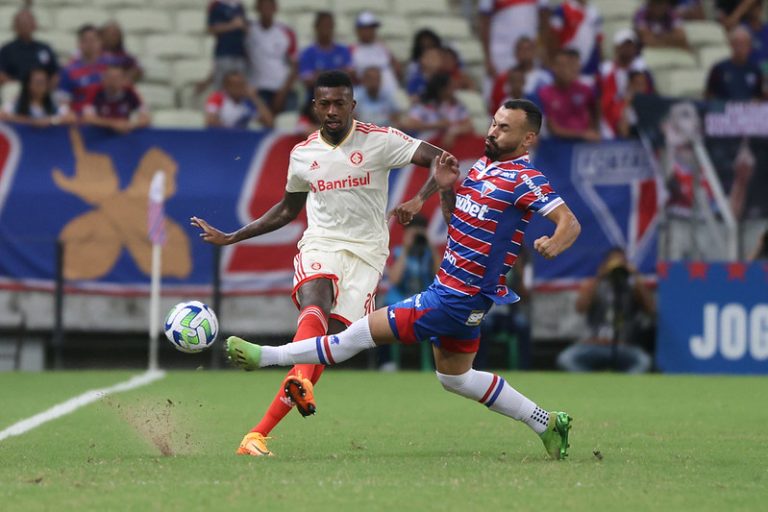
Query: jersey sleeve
400	148
295	183
533	192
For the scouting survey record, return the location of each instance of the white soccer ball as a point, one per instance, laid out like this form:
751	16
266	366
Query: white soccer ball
191	326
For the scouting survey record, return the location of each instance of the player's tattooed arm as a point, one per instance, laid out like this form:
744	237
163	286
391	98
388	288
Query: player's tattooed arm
276	217
447	203
567	229
424	156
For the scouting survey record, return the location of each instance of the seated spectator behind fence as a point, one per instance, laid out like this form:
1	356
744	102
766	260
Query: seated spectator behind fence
375	105
570	107
439	113
616	87
35	105
738	77
619	311
83	73
272	55
534	76
227	23
430	64
114	51
324	55
114	104
659	26
369	51
413	269
20	56
425	39
234	106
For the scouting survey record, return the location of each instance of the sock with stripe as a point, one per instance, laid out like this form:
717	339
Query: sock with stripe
312	322
493	391
321	349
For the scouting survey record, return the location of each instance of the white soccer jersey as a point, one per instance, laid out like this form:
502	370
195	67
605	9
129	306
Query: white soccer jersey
347	185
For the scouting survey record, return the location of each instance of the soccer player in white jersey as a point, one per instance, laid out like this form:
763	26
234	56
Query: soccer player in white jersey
341	173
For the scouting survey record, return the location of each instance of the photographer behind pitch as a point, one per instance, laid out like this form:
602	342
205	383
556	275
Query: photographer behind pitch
619	311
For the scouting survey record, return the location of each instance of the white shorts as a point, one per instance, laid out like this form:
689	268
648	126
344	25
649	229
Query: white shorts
354	281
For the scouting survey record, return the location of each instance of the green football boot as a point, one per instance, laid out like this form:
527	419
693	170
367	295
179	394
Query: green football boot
243	354
555	438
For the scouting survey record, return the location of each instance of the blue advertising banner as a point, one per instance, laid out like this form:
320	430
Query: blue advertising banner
611	188
713	318
88	189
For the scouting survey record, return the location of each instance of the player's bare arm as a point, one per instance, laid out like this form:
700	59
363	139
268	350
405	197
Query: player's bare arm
276	217
445	172
566	231
424	156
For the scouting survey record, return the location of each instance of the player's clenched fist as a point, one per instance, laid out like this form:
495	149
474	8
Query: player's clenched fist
546	247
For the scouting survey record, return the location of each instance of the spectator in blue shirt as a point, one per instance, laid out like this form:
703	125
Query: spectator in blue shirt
324	55
738	77
227	23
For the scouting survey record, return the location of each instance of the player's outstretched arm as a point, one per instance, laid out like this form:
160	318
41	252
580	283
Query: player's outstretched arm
276	217
424	156
566	231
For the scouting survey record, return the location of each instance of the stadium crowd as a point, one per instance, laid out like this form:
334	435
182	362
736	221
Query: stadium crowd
548	51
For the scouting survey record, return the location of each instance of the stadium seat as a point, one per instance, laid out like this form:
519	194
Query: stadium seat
409	7
304	6
470	51
191	21
395	27
64	43
156	71
681	82
124	3
286	121
174	45
668	58
190	71
448	27
9	91
190	99
617	9
181	118
144	21
134	44
302	24
473	101
157	96
44	18
72	18
704	33
711	55
353	7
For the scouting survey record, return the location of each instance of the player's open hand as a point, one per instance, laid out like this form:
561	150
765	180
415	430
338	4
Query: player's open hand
546	247
406	211
210	234
445	169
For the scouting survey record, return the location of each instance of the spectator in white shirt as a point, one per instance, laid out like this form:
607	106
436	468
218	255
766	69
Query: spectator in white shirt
373	104
272	52
368	51
234	106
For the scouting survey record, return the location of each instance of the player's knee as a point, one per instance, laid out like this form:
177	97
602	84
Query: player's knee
454	383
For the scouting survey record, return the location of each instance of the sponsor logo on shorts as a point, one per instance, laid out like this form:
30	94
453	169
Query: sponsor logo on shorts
316	266
475	317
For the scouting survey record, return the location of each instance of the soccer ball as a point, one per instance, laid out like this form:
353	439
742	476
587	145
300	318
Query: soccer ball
191	326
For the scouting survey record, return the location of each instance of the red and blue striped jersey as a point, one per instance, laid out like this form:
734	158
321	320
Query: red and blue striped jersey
493	206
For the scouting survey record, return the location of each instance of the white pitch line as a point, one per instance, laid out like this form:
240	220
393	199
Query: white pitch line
75	403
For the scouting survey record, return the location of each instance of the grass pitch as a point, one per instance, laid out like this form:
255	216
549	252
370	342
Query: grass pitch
385	442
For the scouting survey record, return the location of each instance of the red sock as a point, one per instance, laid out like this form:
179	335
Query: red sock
312	322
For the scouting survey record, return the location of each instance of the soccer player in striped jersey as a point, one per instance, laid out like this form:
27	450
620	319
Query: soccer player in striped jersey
487	216
341	173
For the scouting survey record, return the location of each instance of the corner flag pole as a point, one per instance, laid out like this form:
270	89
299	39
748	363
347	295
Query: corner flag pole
156	230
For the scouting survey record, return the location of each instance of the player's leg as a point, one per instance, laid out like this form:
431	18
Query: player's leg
453	361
